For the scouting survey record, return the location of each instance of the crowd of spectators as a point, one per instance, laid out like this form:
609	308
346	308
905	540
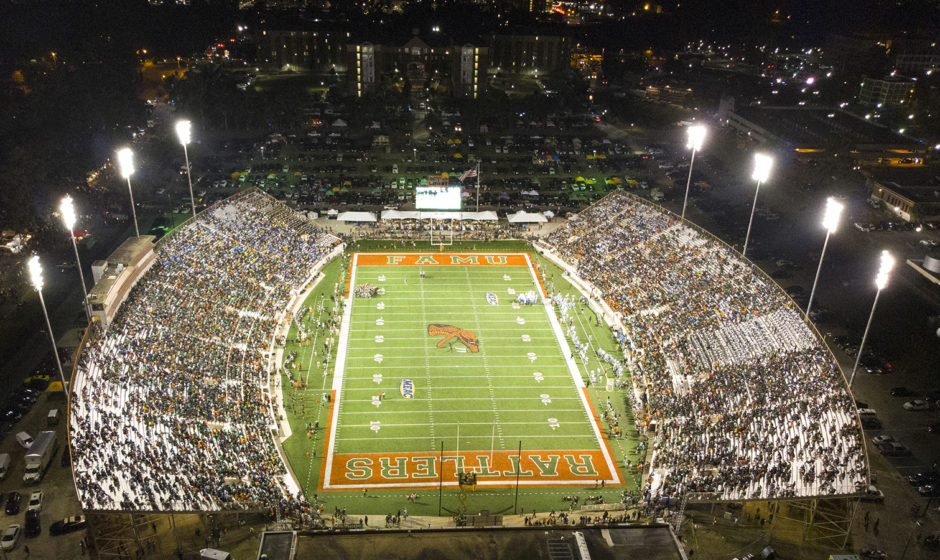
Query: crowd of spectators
740	399
170	409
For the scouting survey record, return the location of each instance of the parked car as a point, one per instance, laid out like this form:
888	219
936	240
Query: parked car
916	404
894	449
934	428
11	537
929	490
35	501
13	503
873	494
67	525
901	392
871	422
33	527
882	439
922	478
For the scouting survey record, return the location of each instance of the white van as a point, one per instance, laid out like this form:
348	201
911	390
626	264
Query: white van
4	465
24	439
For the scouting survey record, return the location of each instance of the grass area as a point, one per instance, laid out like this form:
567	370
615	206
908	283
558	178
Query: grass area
392	446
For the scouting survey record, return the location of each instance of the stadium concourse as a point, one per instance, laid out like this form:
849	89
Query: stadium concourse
168	411
740	398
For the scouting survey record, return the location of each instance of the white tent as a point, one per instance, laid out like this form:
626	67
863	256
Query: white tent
332	212
356	217
522	217
440	215
487	215
548	214
340	123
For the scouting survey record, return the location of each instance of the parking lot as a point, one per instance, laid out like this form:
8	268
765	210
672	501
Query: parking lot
59	500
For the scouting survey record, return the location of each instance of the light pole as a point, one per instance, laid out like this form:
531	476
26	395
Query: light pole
696	137
762	165
884	271
126	164
68	217
830	222
184	130
35	274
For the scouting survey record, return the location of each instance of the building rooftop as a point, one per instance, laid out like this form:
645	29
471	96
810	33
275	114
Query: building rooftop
821	128
128	253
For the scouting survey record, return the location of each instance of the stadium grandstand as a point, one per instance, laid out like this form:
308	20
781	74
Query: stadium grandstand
739	395
170	408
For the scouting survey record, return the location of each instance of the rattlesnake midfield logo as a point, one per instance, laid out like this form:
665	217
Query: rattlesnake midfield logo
449	331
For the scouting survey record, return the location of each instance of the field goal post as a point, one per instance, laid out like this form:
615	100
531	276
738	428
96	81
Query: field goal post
446	236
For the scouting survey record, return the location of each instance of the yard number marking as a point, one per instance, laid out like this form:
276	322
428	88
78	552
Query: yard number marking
538	376
546	400
553	423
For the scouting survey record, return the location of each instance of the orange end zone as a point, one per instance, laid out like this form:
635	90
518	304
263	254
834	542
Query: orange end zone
496	469
435	259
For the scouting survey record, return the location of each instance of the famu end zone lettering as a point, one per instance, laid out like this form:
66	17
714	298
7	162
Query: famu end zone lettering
440	259
499	468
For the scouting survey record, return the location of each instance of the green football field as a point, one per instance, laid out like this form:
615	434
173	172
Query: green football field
442	371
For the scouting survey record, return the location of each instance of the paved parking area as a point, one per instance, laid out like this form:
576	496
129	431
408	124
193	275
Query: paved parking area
60	500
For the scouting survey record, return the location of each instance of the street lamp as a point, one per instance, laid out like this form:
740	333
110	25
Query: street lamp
887	263
696	137
184	130
35	274
68	217
126	164
830	222
762	165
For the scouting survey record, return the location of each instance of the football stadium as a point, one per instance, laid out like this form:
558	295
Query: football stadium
621	365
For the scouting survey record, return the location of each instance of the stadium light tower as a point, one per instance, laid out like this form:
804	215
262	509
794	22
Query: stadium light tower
884	272
696	137
184	130
762	165
126	164
831	223
68	217
35	274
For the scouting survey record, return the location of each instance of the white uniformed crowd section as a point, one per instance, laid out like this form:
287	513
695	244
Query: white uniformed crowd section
169	411
742	400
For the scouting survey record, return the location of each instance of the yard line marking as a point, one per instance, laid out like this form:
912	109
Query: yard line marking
427	372
486	365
